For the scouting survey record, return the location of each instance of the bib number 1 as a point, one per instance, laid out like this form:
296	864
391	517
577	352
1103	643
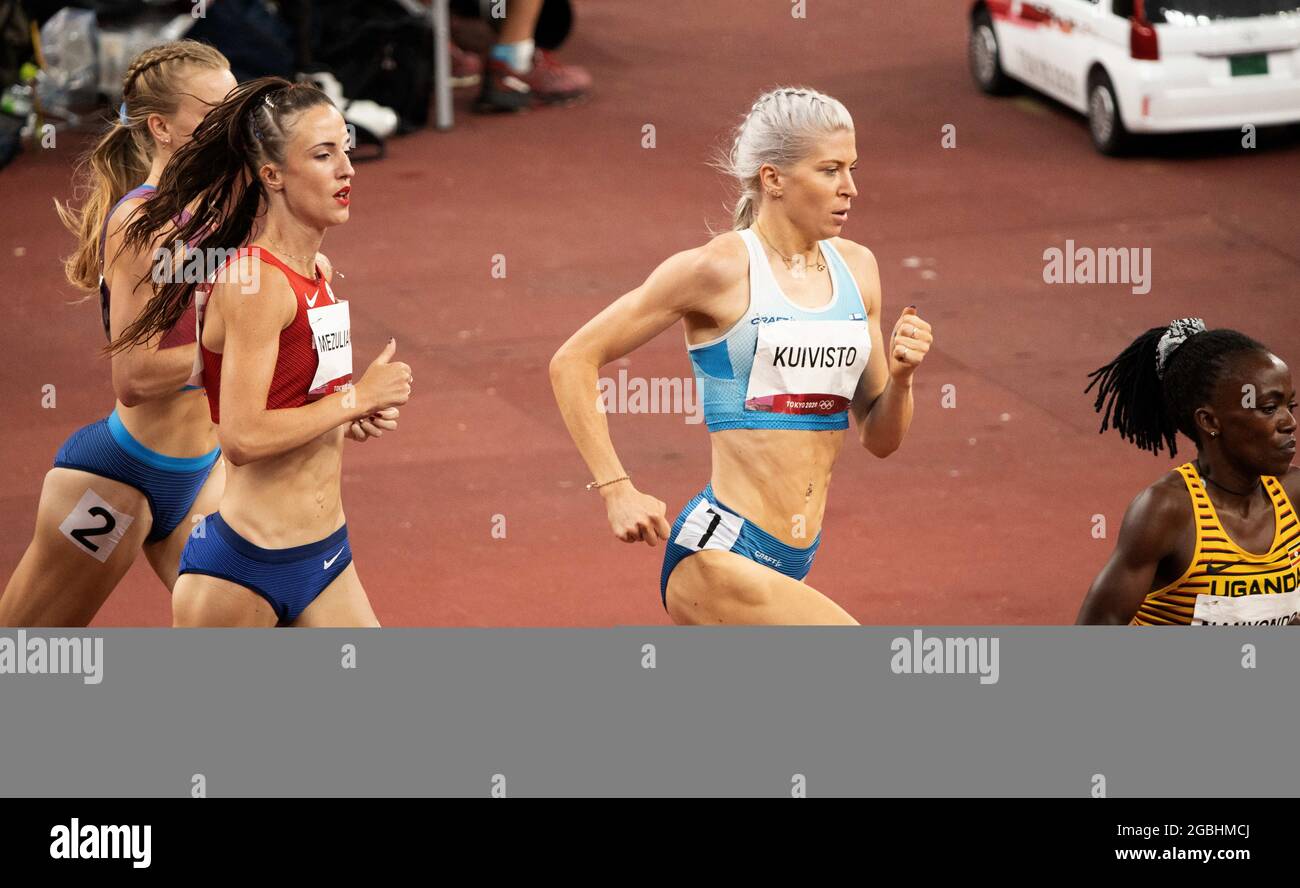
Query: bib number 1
713	525
708	527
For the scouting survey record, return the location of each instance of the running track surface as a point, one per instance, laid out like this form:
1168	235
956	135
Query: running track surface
984	516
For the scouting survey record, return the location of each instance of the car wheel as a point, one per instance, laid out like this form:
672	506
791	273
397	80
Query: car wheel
1104	120
984	56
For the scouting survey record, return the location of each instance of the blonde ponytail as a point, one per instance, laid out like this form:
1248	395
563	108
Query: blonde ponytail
121	159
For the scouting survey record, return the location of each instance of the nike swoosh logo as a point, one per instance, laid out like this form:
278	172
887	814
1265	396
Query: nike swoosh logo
335	558
311	300
1216	567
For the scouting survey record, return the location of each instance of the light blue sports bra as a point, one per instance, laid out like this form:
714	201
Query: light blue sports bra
782	366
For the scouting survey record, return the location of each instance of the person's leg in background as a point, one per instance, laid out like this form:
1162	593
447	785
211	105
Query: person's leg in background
518	74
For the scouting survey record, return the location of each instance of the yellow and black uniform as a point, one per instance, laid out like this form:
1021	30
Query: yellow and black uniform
1225	585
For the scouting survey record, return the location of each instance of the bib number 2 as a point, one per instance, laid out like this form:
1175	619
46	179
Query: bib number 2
83	534
95	527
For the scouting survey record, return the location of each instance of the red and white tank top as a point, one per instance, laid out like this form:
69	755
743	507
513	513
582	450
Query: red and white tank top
315	356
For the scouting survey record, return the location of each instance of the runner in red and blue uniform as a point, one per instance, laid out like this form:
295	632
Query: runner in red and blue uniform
276	354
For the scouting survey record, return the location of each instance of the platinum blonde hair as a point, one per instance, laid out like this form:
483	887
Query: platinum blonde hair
781	128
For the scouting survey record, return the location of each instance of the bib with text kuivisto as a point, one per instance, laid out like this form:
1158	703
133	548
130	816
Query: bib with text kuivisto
807	366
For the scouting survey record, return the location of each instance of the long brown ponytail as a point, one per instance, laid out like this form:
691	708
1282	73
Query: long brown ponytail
121	159
215	174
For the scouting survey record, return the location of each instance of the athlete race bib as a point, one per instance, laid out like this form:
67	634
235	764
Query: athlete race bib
708	527
1277	609
331	337
202	293
807	366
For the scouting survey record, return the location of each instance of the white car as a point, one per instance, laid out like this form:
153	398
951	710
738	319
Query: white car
1146	66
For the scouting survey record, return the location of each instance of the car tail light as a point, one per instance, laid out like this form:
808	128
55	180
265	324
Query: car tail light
1142	41
1032	12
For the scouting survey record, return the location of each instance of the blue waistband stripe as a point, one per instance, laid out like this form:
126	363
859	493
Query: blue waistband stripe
153	457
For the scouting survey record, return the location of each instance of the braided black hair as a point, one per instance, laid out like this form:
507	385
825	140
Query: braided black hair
1150	410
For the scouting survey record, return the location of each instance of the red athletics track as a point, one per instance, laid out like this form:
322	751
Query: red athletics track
980	518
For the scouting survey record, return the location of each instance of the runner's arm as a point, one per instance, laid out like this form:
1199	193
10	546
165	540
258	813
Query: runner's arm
142	372
882	405
1148	535
675	288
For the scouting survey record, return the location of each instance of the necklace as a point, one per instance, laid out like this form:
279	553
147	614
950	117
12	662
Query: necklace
789	260
1205	477
309	260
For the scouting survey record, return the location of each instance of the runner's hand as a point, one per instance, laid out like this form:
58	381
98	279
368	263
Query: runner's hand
635	516
908	344
385	384
374	425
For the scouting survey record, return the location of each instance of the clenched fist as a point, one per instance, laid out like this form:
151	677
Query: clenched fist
908	344
635	516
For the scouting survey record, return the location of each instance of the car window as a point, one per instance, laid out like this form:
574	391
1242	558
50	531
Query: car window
1122	8
1177	12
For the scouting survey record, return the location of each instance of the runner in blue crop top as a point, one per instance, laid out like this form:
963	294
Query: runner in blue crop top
130	481
782	322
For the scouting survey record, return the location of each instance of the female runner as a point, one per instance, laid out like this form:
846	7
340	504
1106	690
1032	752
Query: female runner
276	353
131	480
782	323
1216	541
